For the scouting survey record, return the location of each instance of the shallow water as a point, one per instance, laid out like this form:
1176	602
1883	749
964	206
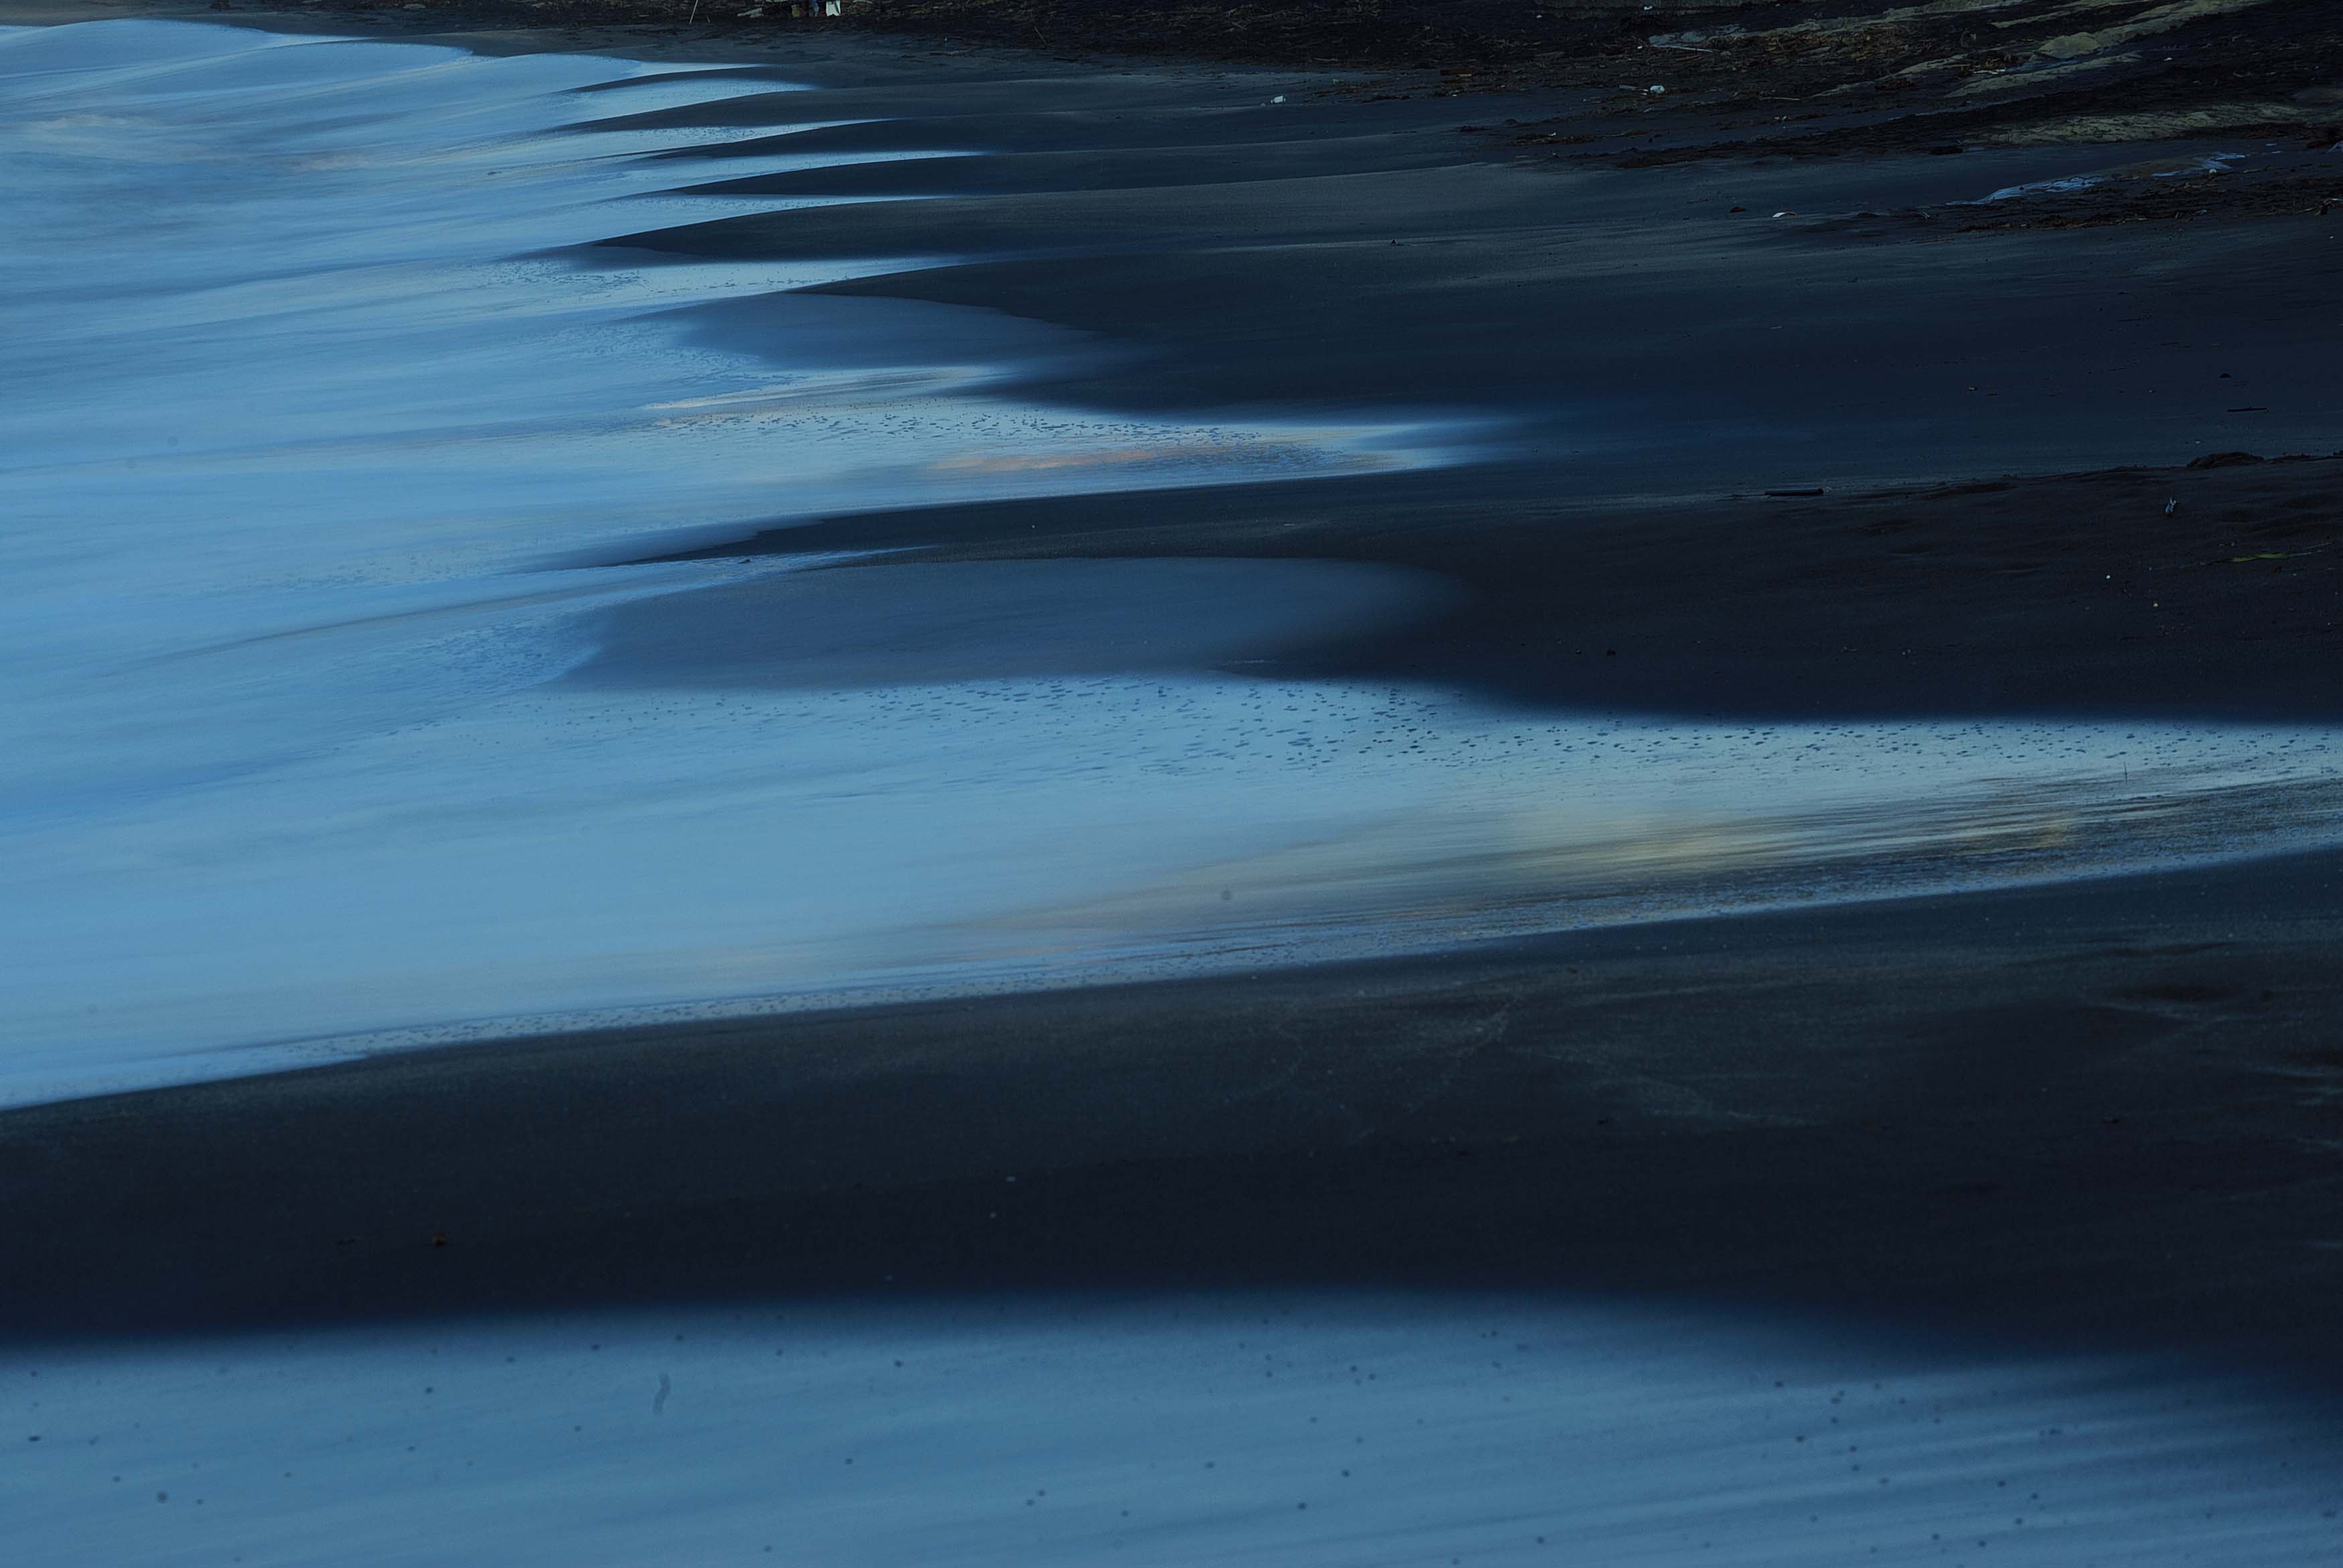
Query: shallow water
1288	1429
325	737
327	734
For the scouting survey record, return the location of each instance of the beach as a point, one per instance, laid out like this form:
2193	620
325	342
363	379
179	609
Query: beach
2088	1116
1159	686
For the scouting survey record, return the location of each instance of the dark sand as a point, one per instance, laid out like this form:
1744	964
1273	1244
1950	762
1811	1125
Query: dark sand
1649	362
2109	1113
2106	1115
2061	595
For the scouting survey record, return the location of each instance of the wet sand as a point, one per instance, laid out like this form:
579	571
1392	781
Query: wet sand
2100	1116
1751	439
2103	1113
2056	595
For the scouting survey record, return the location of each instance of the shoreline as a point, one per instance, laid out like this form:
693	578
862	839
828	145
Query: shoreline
1948	600
2094	1115
2101	1113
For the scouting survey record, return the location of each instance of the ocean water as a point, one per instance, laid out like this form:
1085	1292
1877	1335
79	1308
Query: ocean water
328	729
331	727
1297	1428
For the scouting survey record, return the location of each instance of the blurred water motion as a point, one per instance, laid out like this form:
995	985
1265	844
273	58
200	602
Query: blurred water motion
1291	1428
324	738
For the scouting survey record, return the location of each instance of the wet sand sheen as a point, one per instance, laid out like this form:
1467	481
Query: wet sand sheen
1318	1430
1983	1191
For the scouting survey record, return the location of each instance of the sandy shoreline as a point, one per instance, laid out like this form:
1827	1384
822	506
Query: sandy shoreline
1845	1225
1949	599
2104	1111
2097	1117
